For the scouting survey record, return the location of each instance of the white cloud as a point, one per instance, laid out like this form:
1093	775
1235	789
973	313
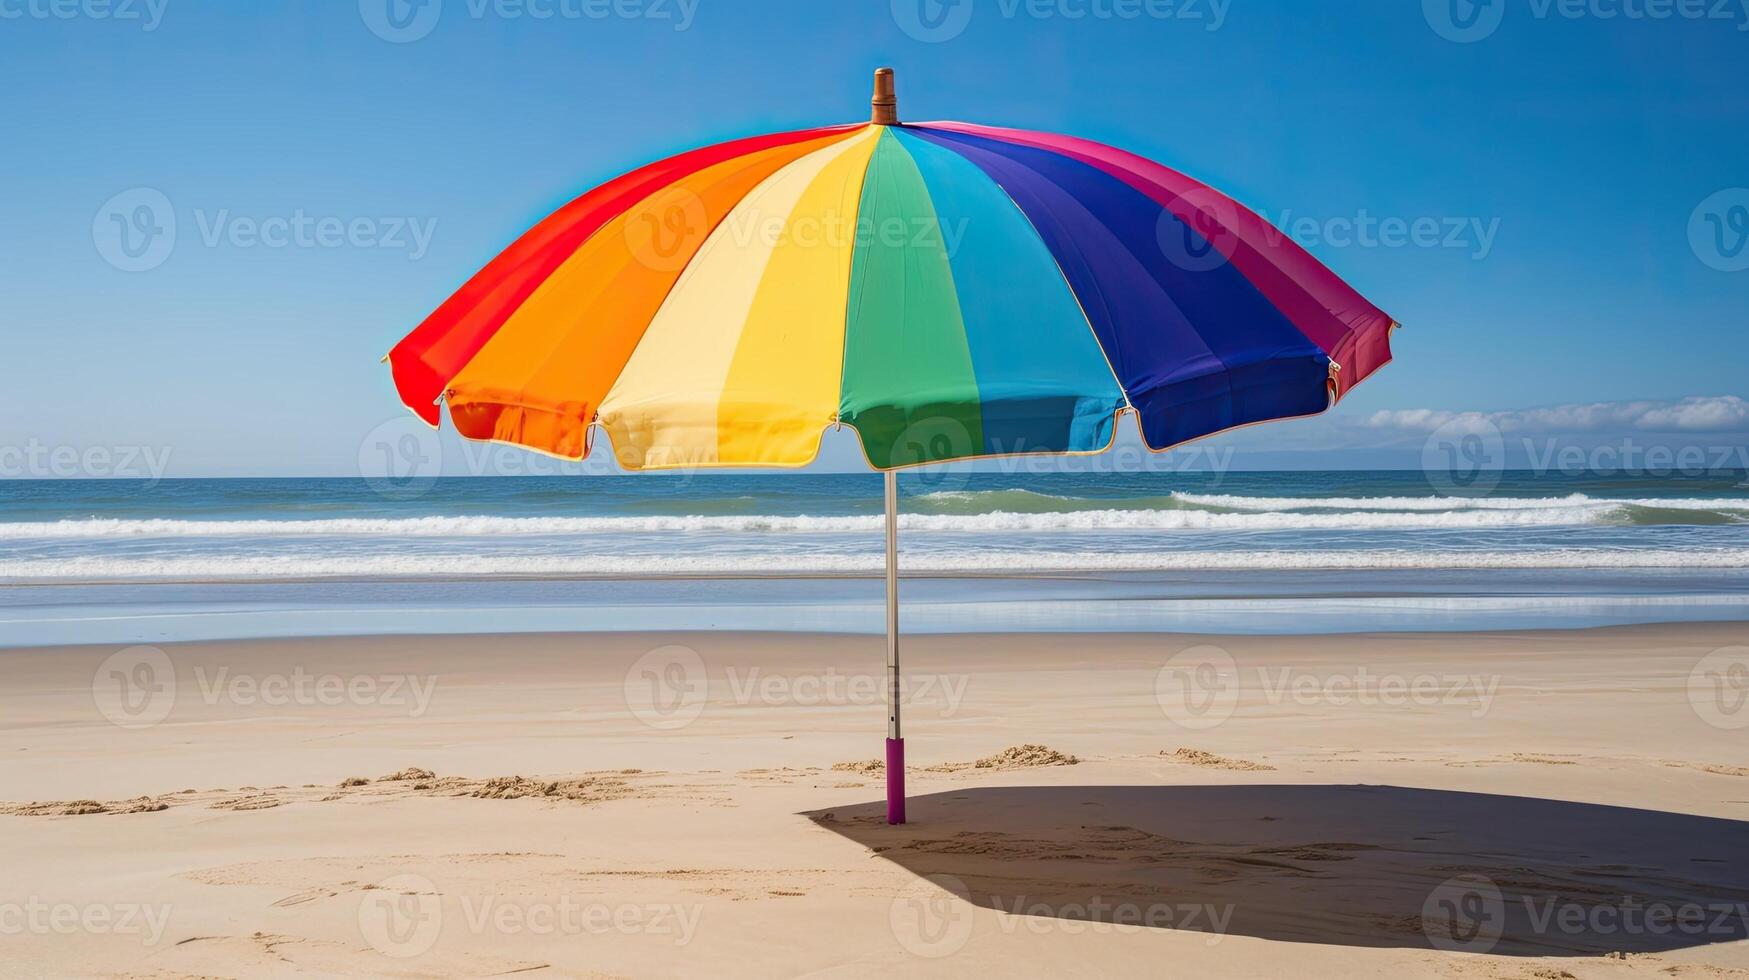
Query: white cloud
1724	413
1699	415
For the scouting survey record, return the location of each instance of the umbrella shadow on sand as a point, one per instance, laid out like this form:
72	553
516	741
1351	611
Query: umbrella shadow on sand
1367	866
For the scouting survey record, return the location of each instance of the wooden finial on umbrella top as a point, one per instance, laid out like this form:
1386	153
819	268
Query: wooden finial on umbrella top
885	101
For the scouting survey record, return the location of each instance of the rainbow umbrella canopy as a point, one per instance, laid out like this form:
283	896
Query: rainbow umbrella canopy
949	291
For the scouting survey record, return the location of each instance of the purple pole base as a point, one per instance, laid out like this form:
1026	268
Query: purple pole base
895	780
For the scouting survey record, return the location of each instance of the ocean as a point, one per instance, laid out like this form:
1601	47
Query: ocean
124	562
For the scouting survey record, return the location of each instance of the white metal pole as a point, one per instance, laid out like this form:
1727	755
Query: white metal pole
895	739
892	605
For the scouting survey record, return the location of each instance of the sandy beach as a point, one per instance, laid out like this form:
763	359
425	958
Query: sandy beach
485	486
1539	804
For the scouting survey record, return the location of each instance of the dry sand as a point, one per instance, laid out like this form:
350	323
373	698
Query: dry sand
584	805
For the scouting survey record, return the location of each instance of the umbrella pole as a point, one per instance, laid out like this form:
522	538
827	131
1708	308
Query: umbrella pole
895	740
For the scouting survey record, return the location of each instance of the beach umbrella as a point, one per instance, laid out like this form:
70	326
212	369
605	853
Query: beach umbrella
947	290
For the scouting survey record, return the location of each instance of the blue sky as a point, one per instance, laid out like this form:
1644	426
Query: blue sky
1583	161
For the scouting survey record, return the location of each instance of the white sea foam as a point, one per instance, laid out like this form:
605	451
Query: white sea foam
1422	504
1227	514
92	568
